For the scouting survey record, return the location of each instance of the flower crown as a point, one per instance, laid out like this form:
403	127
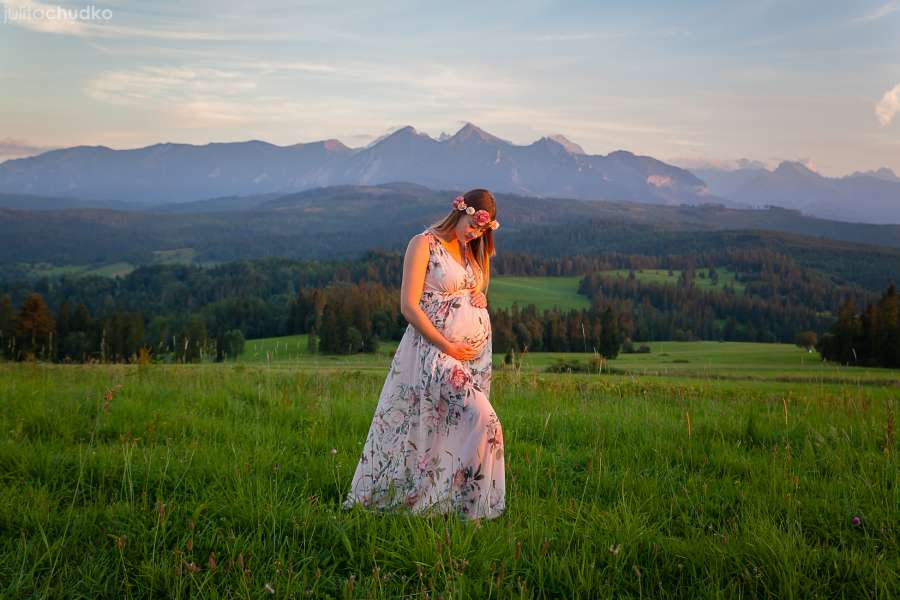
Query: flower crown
482	217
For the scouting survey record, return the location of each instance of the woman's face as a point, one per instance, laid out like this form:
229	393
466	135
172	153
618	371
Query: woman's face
467	230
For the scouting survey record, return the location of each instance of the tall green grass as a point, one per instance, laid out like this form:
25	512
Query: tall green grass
225	481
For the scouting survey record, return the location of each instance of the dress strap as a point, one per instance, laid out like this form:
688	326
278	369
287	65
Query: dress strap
432	240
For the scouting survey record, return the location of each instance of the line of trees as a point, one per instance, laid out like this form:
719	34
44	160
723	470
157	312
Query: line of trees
871	337
347	318
32	331
184	313
597	329
684	312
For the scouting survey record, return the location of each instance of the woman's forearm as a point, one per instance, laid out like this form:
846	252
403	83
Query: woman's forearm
420	321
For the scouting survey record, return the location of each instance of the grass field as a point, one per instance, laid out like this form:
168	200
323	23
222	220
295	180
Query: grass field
701	278
562	292
543	292
117	269
692	360
724	479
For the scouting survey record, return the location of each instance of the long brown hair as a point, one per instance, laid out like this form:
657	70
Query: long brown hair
482	246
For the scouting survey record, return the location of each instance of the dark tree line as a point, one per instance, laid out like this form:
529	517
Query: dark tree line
347	318
779	299
31	331
188	312
589	330
685	312
871	337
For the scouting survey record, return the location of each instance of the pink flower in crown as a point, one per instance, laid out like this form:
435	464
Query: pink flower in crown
482	218
459	203
458	377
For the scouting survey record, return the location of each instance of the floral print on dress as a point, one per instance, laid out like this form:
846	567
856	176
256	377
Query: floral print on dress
435	443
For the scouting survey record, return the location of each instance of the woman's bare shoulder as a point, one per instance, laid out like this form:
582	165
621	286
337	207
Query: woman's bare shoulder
420	244
421	240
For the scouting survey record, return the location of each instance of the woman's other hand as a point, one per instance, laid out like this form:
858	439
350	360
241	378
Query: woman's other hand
479	300
461	350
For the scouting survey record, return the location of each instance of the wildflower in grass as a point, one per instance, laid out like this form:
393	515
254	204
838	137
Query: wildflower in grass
269	588
333	451
108	396
856	521
614	549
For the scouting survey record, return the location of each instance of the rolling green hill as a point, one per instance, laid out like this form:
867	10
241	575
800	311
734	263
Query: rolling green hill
543	292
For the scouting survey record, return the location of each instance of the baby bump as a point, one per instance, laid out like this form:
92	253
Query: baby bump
467	323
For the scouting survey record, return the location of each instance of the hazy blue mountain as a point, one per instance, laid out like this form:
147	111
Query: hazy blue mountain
342	221
883	173
872	197
171	173
32	202
165	173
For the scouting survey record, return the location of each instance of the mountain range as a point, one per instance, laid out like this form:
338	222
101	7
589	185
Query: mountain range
340	222
472	157
869	197
220	174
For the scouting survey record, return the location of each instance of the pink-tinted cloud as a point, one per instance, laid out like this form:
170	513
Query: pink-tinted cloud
17	148
888	106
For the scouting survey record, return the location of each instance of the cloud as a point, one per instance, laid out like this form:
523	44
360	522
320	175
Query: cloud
564	37
888	106
18	148
717	164
809	164
255	92
879	13
195	96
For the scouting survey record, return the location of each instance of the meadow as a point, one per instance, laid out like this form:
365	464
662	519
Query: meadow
724	479
666	277
544	292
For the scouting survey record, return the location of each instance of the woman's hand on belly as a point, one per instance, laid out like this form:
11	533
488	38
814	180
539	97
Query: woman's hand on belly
479	300
461	350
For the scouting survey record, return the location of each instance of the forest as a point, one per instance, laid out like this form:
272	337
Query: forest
871	337
187	313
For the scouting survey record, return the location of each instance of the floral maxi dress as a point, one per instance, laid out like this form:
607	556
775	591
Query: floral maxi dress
435	443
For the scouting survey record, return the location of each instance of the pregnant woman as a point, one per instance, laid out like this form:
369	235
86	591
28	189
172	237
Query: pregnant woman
435	444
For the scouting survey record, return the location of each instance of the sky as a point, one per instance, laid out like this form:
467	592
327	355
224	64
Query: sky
688	82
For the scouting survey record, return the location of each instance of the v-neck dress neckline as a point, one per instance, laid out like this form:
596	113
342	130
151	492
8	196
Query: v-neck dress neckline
466	268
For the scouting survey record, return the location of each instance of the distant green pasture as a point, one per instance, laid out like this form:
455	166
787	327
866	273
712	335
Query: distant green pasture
543	292
701	277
